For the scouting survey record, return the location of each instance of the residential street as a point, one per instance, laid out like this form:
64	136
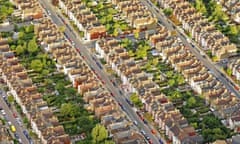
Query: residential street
214	70
9	115
88	58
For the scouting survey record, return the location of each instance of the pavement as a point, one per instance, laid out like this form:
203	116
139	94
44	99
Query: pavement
9	116
193	48
101	73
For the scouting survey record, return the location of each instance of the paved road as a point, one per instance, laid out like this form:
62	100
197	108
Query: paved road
9	115
216	72
88	58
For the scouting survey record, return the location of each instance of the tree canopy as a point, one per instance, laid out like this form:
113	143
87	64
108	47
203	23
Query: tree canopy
99	133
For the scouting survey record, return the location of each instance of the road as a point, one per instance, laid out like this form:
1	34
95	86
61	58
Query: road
195	50
88	58
9	115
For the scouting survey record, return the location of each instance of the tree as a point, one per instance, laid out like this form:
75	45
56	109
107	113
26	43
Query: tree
32	46
191	102
29	28
69	109
99	133
135	100
115	32
200	6
36	65
233	30
136	35
19	50
61	28
141	51
60	87
229	71
180	80
171	82
21	34
10	99
168	11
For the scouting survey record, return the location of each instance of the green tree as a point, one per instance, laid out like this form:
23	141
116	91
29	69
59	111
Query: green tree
29	29
99	133
233	30
135	100
200	6
61	28
60	87
168	11
10	99
115	32
36	65
191	102
171	82
68	109
141	51
229	71
21	34
19	50
180	79
136	35
32	46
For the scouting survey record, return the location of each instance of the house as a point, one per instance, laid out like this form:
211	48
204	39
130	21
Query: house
235	67
136	14
28	10
128	137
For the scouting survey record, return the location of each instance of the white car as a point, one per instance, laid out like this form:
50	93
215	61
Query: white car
3	112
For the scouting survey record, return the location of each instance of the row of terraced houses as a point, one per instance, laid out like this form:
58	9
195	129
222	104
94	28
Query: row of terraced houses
202	31
136	14
98	99
172	50
83	18
165	115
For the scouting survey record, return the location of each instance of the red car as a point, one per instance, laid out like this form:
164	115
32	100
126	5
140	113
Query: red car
150	141
14	115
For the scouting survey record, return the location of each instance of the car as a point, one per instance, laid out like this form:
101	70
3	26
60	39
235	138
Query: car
19	121
112	94
153	131
14	115
26	134
9	123
16	136
160	141
150	141
145	121
135	122
147	137
3	112
143	132
120	92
